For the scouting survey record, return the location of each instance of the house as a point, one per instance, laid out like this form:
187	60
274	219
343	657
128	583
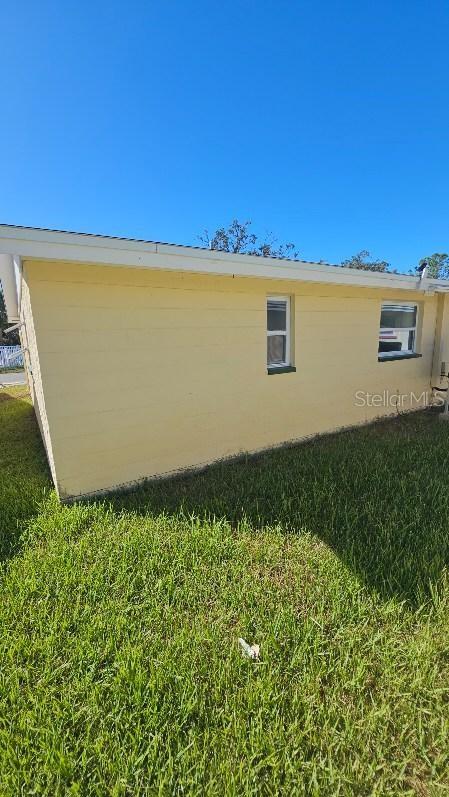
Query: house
146	359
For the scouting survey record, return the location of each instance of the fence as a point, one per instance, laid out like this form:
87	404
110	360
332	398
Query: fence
11	357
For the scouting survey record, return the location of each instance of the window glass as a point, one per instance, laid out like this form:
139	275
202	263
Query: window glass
398	316
276	315
276	349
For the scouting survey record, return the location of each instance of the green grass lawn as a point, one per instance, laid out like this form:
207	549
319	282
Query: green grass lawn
120	667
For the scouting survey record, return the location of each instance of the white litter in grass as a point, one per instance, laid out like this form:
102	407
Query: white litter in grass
251	651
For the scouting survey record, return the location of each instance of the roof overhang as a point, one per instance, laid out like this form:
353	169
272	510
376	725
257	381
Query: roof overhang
32	243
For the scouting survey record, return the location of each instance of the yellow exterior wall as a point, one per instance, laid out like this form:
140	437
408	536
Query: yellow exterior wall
146	372
32	368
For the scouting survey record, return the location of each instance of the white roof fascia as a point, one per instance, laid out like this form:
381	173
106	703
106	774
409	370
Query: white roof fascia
28	242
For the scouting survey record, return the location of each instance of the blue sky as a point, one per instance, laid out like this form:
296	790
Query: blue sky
324	122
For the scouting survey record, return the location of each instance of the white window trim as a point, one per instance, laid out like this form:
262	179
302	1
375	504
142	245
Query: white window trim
388	355
286	332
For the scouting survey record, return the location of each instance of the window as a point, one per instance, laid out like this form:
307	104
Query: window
278	333
397	334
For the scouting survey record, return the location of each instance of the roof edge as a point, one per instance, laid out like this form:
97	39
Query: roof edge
39	243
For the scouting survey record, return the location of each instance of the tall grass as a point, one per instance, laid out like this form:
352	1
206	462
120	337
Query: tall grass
121	673
378	496
24	478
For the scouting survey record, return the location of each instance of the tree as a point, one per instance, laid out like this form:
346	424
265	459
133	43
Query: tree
360	260
13	338
437	266
239	239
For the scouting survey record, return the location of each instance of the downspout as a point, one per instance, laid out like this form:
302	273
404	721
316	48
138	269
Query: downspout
10	281
441	353
440	358
11	270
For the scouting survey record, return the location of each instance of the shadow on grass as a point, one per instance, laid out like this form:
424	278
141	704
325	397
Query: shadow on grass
378	496
24	475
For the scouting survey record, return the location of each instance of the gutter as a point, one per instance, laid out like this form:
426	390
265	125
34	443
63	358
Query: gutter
38	244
